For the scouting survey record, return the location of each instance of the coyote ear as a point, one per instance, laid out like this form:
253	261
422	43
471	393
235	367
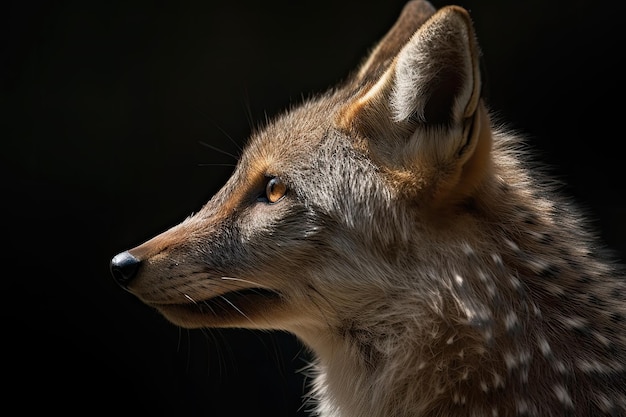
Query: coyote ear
413	15
437	76
424	113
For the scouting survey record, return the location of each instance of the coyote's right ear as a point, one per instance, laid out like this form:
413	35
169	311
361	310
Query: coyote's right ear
422	119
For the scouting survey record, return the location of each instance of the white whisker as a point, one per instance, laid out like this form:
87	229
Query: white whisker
187	296
216	149
207	304
243	280
236	308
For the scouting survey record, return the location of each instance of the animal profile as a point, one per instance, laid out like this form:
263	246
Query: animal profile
411	242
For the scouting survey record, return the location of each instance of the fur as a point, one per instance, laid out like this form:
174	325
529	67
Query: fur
410	242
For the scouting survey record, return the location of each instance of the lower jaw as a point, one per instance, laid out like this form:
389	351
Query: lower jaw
252	308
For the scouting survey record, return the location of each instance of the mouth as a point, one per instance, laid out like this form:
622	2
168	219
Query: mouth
237	299
228	309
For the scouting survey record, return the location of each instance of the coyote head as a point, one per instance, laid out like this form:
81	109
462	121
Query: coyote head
324	212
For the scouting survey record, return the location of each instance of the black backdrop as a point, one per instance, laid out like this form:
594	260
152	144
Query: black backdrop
104	108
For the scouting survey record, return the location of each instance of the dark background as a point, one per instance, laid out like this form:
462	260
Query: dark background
103	110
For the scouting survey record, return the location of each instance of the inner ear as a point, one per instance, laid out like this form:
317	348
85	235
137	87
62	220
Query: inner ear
436	77
434	80
440	98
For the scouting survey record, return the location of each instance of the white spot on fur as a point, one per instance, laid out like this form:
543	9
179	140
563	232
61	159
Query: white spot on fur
606	405
574	322
488	334
563	396
491	288
455	398
498	382
511	321
467	249
515	282
484	387
524	359
560	367
482	276
592	366
510	360
601	338
537	265
458	279
554	289
512	245
544	347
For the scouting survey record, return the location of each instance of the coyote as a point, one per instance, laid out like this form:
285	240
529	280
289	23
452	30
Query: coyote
408	240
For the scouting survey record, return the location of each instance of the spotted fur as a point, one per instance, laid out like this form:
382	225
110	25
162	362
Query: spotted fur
410	242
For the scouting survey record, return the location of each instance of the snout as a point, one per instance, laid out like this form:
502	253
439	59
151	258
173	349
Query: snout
124	267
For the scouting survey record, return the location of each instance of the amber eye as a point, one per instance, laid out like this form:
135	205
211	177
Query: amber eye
275	190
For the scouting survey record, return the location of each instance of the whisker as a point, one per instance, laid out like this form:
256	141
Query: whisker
187	296
200	305
243	280
218	127
236	308
188	363
211	340
207	304
216	149
216	165
245	101
180	336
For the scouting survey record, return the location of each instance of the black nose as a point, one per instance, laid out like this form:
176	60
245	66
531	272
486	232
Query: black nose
124	267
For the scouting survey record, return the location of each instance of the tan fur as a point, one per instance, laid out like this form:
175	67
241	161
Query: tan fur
428	263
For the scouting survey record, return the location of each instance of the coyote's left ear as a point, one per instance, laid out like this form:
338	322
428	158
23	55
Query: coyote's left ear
423	119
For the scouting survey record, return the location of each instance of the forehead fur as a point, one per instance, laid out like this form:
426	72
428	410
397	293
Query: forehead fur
291	138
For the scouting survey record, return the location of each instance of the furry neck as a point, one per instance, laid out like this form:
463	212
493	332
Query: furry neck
358	373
